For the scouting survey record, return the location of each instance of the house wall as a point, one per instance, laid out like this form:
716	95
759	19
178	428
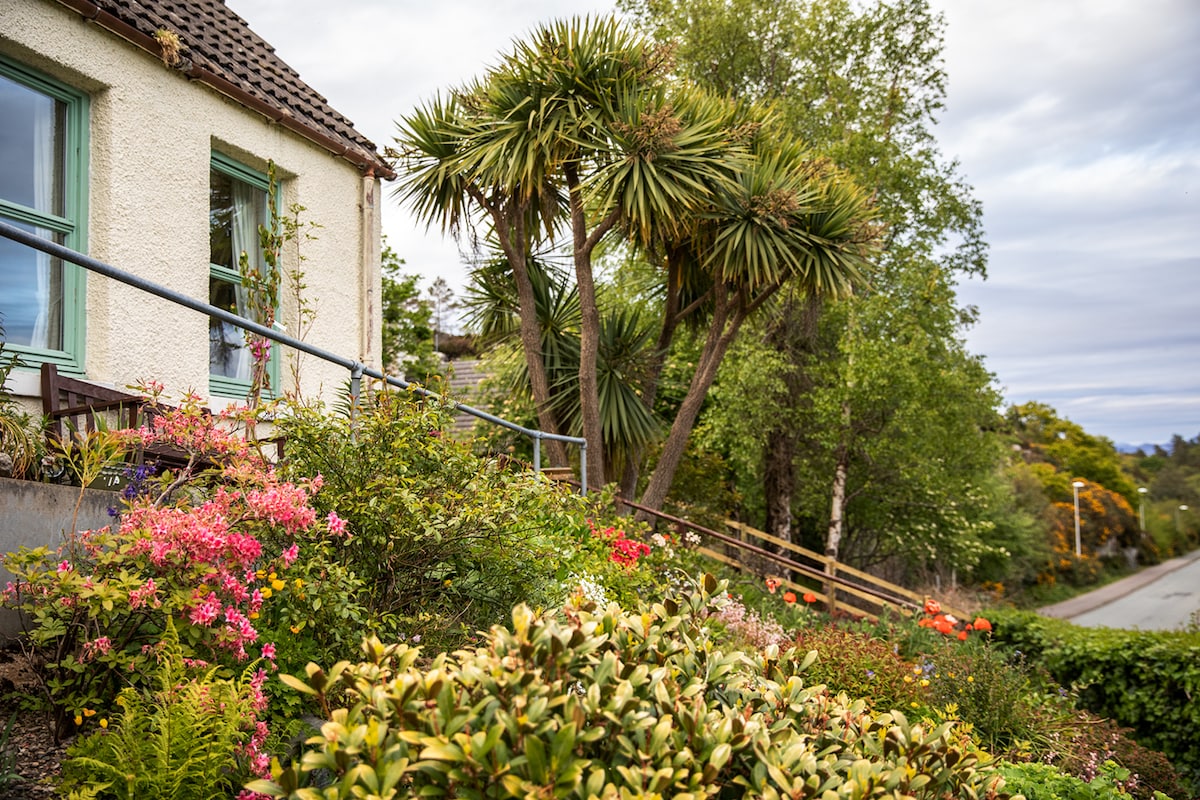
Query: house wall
152	134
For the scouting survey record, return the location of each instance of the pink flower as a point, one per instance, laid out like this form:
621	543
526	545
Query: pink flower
337	525
64	566
268	651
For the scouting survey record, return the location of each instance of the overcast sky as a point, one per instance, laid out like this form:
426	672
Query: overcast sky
1076	121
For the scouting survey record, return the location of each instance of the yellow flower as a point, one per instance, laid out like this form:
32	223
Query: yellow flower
278	585
262	573
295	629
104	722
299	583
78	720
271	576
908	679
253	615
913	704
924	682
970	679
89	712
266	592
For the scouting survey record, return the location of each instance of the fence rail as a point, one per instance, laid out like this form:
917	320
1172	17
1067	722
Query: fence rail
357	369
836	585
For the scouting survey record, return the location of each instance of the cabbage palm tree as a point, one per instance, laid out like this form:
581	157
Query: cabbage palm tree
576	127
786	219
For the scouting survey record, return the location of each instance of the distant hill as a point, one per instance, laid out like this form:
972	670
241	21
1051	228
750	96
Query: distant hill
1125	447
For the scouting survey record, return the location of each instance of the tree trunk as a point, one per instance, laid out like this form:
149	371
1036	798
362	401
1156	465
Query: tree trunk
837	512
589	327
779	481
511	234
721	334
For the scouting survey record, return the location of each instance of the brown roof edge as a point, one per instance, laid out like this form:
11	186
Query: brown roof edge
368	163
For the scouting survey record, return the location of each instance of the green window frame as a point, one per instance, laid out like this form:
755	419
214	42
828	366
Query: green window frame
228	178
65	222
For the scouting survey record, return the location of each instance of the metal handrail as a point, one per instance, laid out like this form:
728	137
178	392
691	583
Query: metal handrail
356	368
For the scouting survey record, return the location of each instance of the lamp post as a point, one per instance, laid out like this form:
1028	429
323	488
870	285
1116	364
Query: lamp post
1077	485
1178	526
1142	507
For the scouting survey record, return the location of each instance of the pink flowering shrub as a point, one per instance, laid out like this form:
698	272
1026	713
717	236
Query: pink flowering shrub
190	550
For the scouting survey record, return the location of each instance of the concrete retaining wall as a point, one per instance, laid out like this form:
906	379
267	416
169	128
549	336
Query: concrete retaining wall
36	514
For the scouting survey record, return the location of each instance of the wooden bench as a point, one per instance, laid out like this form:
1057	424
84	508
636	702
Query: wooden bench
75	406
70	404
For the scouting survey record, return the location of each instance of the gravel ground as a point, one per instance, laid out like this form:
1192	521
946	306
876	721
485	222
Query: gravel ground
35	757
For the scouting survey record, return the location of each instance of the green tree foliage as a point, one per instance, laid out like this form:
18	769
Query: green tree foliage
408	323
1073	452
862	83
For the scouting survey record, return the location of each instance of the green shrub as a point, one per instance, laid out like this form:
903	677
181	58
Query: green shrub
1089	741
1145	680
1012	710
606	704
1044	782
862	666
443	543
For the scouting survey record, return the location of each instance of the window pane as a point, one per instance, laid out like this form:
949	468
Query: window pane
236	210
228	355
31	293
32	147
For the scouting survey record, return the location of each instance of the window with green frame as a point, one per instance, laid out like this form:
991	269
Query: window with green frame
43	189
238	205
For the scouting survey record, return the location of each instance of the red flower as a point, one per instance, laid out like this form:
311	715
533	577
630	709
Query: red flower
933	607
773	584
962	636
982	624
789	597
809	597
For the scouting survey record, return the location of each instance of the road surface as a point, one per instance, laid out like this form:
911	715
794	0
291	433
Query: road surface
1158	598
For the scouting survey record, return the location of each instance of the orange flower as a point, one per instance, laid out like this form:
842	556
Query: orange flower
982	624
773	584
789	597
933	607
962	636
809	597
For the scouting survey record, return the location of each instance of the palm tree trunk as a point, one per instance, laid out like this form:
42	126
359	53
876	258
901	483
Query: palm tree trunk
511	233
589	327
721	334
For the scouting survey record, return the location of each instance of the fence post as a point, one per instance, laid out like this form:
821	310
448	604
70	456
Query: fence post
830	585
583	468
537	453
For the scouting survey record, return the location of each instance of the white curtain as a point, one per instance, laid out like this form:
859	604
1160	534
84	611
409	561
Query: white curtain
48	324
247	202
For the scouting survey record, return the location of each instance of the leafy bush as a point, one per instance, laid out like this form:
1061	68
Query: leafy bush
606	704
179	740
1044	782
1145	680
862	666
443	542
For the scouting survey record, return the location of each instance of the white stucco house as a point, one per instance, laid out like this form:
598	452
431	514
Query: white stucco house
140	132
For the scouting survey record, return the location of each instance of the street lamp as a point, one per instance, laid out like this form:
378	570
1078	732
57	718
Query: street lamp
1077	485
1178	527
1142	507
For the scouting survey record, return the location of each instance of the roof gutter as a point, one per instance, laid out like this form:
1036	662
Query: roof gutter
367	163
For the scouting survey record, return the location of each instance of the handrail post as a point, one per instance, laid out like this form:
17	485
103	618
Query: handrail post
356	374
583	468
537	452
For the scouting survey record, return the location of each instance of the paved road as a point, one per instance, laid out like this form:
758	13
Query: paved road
1162	597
